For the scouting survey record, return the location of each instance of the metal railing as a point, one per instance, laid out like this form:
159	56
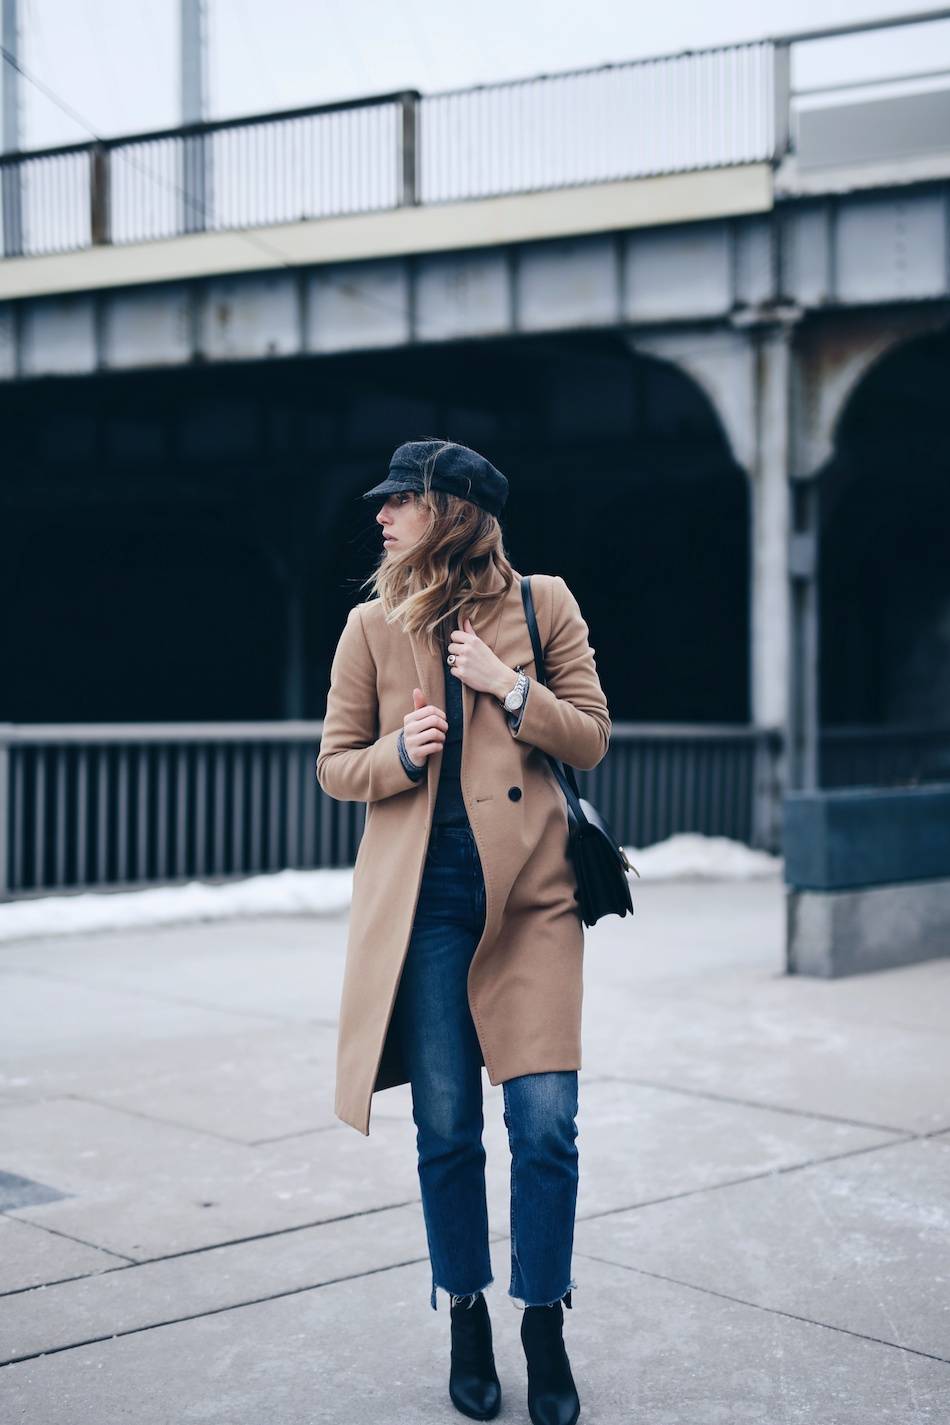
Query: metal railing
672	114
675	114
899	114
857	756
85	806
90	805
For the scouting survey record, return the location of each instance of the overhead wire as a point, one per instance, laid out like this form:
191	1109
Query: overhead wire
103	57
723	341
194	204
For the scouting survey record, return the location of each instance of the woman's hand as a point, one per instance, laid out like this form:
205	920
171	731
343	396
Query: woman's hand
476	665
424	729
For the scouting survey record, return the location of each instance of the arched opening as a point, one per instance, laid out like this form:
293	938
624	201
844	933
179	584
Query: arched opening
884	598
186	543
621	481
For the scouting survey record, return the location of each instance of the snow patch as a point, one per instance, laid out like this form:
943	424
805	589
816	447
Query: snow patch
325	892
689	856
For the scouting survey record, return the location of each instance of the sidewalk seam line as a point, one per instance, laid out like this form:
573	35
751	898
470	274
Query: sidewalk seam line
129	1262
751	1177
56	976
772	1310
212	1311
752	1103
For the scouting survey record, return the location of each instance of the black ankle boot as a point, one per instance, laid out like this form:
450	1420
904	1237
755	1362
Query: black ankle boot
473	1381
552	1395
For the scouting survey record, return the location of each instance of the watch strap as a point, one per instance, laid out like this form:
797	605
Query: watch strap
521	681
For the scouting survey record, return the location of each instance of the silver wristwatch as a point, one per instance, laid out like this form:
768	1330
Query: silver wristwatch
515	698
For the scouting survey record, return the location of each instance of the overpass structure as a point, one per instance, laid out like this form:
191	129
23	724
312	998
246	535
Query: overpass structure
773	246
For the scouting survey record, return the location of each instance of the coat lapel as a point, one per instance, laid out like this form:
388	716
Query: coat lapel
431	671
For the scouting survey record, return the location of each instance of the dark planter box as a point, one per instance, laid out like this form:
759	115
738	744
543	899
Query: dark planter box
866	836
867	874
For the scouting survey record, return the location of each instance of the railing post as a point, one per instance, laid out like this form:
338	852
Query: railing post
196	146
11	195
409	193
4	810
767	790
804	722
11	172
100	196
781	99
195	182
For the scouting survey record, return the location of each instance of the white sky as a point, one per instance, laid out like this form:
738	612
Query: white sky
115	61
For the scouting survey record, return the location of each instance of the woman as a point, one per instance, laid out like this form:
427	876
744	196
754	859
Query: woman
465	943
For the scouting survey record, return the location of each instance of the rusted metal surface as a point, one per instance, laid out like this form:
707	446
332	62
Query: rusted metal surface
847	256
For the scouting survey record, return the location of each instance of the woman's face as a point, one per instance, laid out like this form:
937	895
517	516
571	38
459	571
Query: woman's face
404	519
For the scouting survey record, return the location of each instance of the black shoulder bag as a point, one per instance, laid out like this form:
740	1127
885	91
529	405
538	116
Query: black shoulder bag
600	863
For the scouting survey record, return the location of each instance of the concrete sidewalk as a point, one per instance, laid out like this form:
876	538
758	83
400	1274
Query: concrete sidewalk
189	1234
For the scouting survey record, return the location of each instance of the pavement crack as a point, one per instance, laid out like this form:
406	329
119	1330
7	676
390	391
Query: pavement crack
771	1310
111	1107
156	1118
296	1133
211	1311
110	987
14	1215
751	1177
130	1262
751	1103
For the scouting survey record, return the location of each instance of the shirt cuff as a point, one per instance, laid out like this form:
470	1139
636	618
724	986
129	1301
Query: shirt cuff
411	769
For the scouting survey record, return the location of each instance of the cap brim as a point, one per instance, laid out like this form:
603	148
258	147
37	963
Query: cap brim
388	486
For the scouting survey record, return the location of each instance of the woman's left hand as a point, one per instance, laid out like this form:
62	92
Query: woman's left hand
475	663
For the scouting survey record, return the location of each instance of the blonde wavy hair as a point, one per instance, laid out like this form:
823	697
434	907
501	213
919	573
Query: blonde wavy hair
447	573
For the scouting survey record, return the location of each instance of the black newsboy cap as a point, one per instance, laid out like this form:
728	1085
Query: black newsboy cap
455	469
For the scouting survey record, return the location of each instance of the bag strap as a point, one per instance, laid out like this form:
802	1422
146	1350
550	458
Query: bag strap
564	773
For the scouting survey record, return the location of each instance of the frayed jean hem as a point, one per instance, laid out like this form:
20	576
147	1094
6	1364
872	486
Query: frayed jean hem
520	1304
456	1296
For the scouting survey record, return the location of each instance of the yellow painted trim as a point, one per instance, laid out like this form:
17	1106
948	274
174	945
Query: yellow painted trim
526	217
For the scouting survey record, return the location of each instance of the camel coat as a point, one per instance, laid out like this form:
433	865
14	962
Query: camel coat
525	977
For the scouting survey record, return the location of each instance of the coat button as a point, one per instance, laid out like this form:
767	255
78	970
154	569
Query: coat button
514	793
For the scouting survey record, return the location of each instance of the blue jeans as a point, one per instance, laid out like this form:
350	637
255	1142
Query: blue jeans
432	1017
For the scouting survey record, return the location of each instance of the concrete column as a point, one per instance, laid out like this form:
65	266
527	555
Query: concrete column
196	151
746	375
295	664
193	61
804	725
746	372
769	573
11	238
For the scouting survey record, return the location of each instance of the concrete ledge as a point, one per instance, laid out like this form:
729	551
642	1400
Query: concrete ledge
437	227
834	933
